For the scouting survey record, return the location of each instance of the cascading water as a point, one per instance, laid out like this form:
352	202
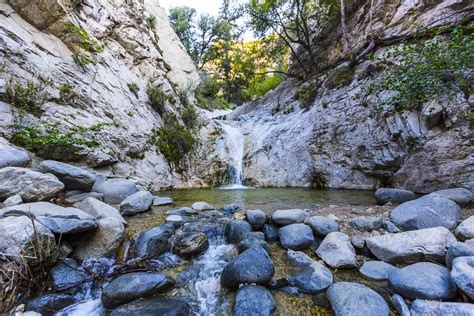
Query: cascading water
235	140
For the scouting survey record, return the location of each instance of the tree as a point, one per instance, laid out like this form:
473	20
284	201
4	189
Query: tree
181	19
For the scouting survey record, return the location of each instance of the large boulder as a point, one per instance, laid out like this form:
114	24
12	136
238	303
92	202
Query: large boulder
162	201
251	266
158	305
136	203
58	219
465	230
423	280
152	243
426	212
270	232
337	251
68	276
100	210
376	270
50	303
349	299
322	225
189	244
79	197
463	275
254	300
30	185
131	286
250	242
435	308
13	157
115	190
385	195
256	218
202	206
413	246
74	178
13	200
459	249
236	231
312	276
287	217
296	236
459	195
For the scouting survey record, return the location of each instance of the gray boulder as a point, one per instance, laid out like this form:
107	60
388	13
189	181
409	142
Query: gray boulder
459	249
465	230
376	270
385	195
423	280
399	303
100	210
136	203
13	200
337	251
162	201
435	308
183	211
131	286
296	236
254	300
13	157
152	243
256	218
115	190
312	276
189	244
459	195
251	266
236	231
248	243
413	246
287	217
158	305
77	198
366	223
349	299
321	225
50	303
202	206
270	232
30	185
74	178
426	212
68	275
463	275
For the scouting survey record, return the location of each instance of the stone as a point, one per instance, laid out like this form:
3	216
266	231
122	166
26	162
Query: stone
399	303
251	266
459	249
426	212
390	227
100	210
189	244
183	211
254	300
74	178
131	286
358	241
459	195
463	275
366	223
337	251
271	232
58	219
68	276
13	157
202	206
424	307
312	276
422	280
376	270
64	249
236	231
321	225
152	243
115	190
78	198
348	299
13	200
248	243
30	185
50	303
296	236
398	196
136	203
465	230
429	244
257	235
158	305
256	218
162	201
287	217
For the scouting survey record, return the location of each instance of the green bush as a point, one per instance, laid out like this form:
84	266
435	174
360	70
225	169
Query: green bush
27	97
157	98
81	60
261	87
66	92
306	93
86	41
189	117
151	21
133	87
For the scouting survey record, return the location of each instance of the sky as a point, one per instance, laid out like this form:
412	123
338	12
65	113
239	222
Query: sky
201	6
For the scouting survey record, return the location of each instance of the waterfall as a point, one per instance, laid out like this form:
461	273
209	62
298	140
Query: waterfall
235	140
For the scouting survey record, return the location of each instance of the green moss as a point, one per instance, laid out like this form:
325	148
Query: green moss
81	60
151	21
157	98
66	92
86	41
133	87
306	93
131	114
26	96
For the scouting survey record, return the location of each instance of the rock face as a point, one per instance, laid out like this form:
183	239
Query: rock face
136	203
463	275
459	195
158	305
30	185
425	212
296	236
254	300
465	230
13	157
424	244
321	225
287	217
115	190
385	195
337	251
74	178
422	307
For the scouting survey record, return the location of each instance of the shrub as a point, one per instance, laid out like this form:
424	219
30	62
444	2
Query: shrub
27	97
133	87
66	92
86	41
189	117
157	98
81	60
151	21
306	94
261	87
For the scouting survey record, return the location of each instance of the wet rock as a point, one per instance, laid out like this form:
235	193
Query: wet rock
312	276
463	275
100	210
183	211
30	185
399	303
13	200
256	218
426	212
115	190
257	235
296	236
385	195
251	266
13	157
270	232
50	303
287	217
459	195
230	209
64	249
131	286
254	300
136	203
158	305
248	243
423	308
68	276
376	270
202	206
422	280
465	230
459	249
336	250
152	243
366	223
189	244
236	231
321	225
162	201
390	227
78	198
429	244
74	178
348	299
